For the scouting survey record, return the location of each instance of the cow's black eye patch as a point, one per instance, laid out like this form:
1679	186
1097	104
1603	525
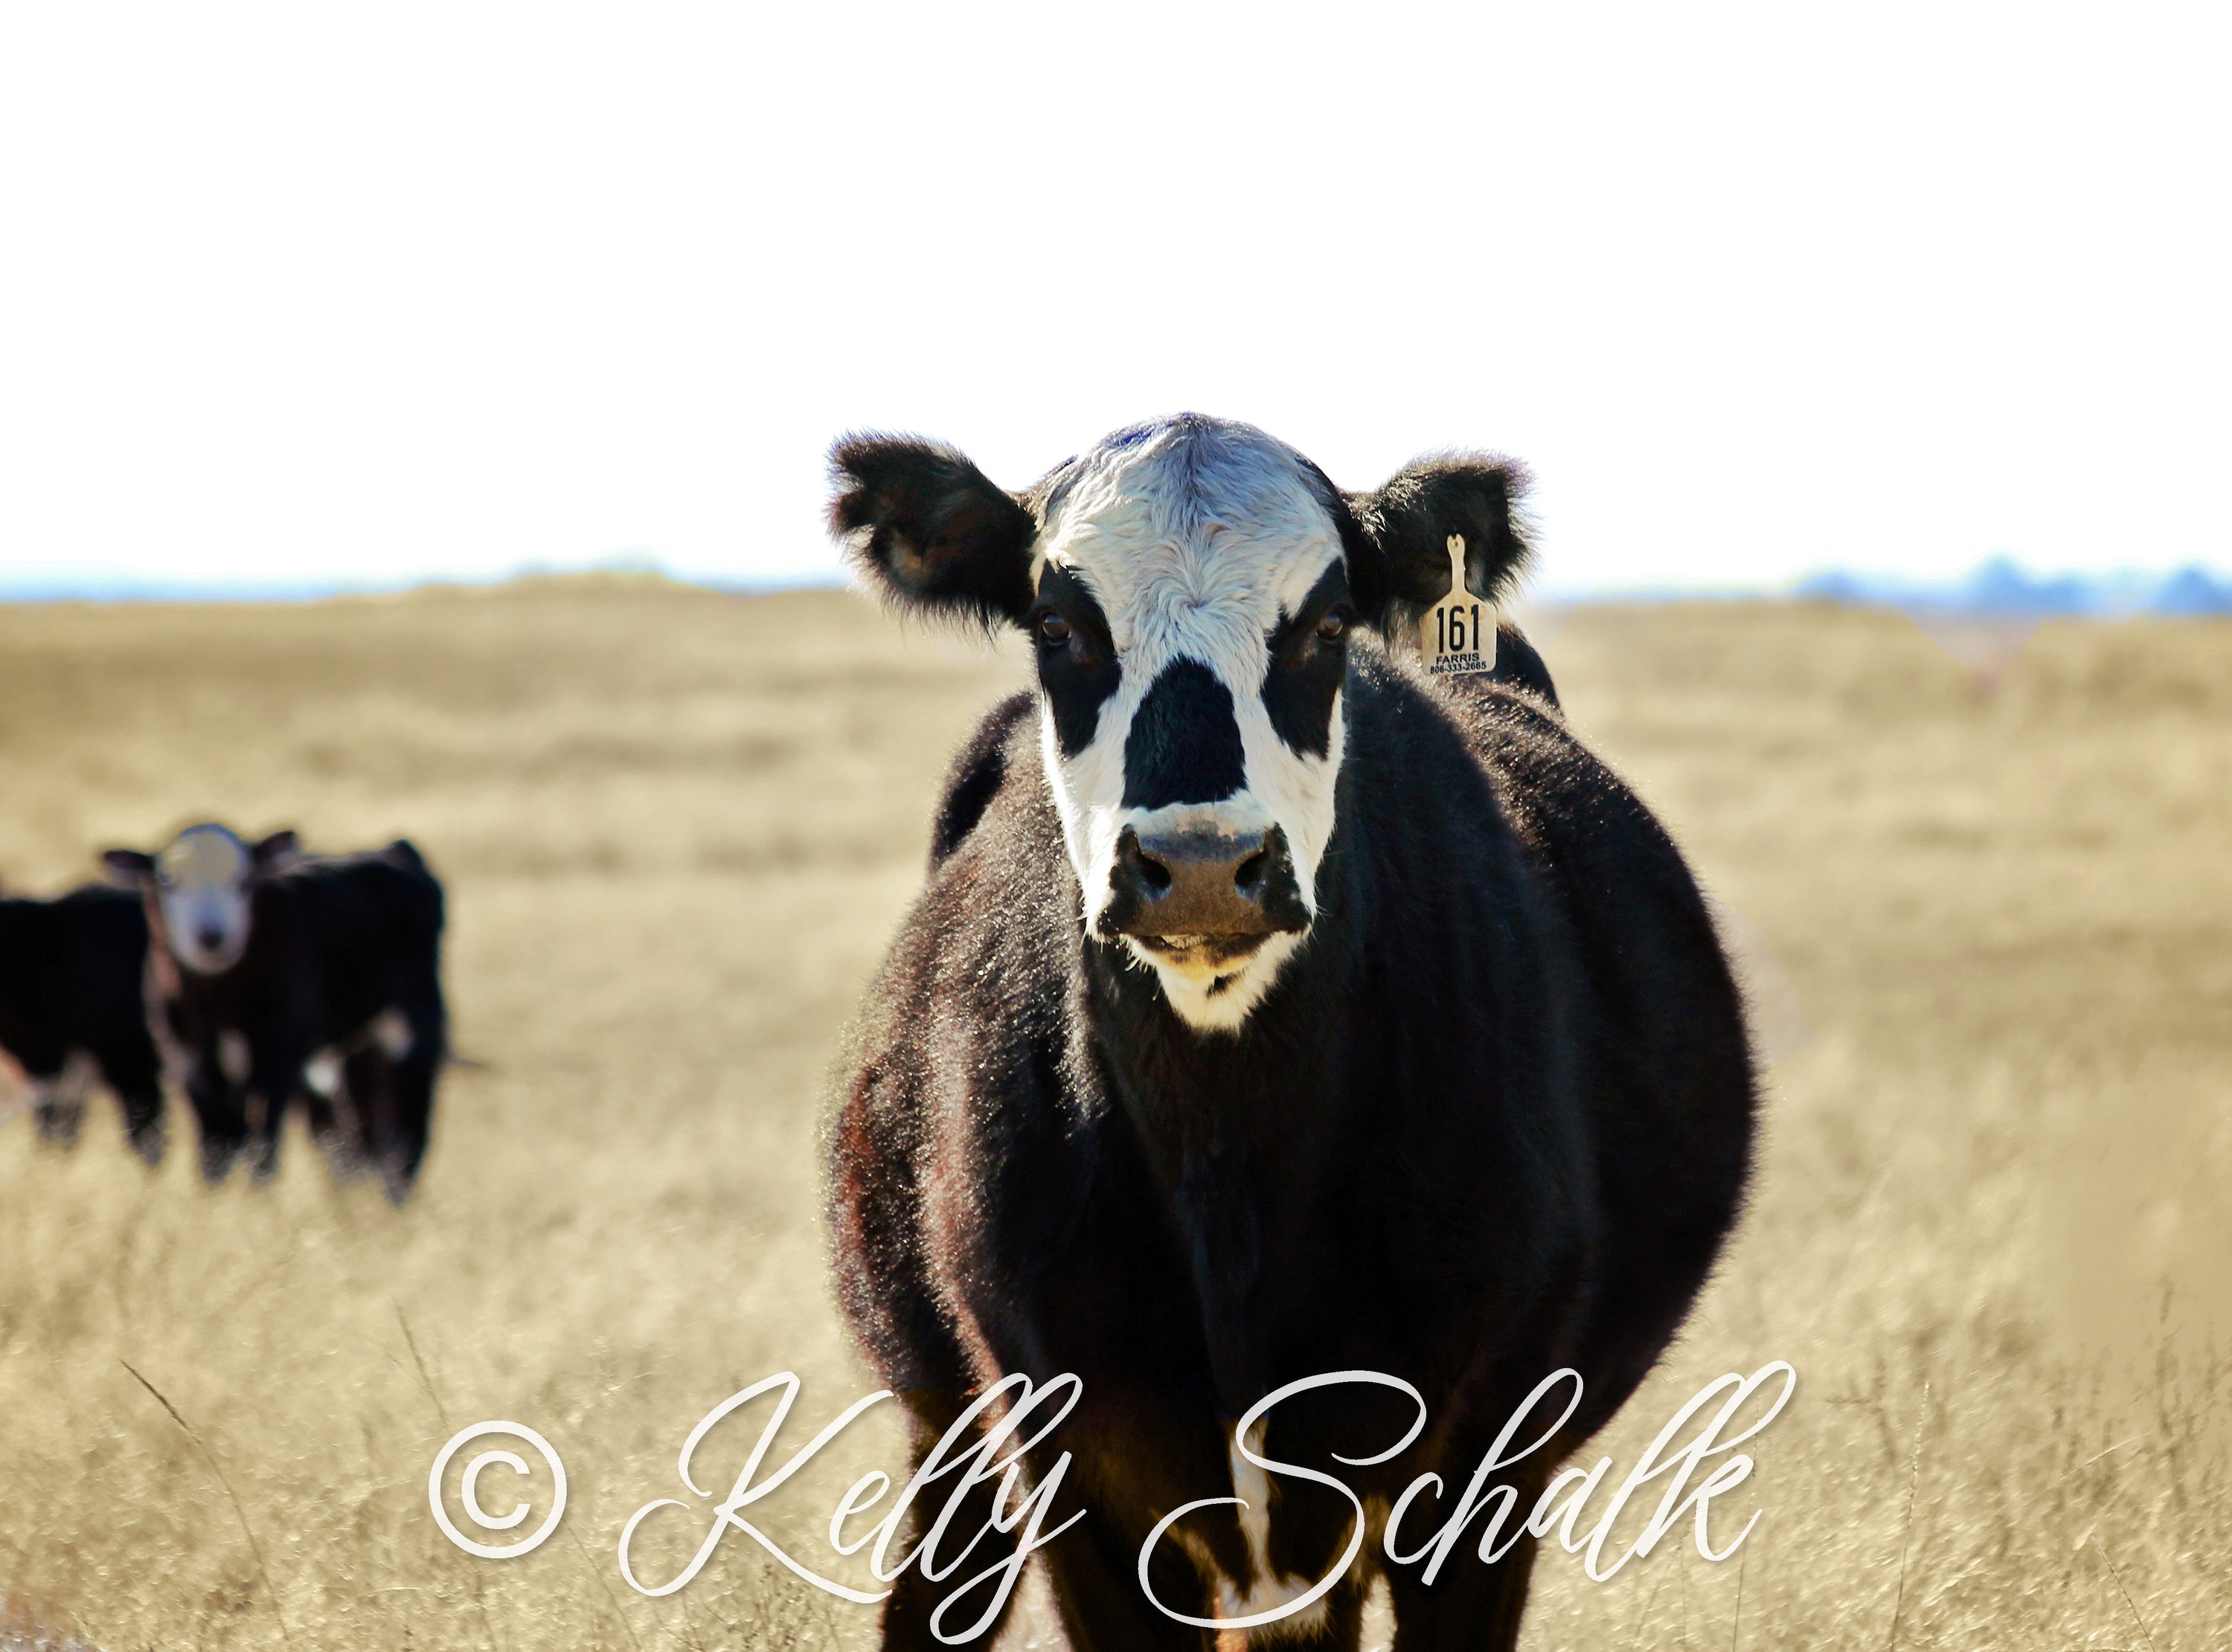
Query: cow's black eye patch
1308	659
1077	658
1185	744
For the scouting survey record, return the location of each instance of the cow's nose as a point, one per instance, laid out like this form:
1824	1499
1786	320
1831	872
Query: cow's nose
212	939
1204	883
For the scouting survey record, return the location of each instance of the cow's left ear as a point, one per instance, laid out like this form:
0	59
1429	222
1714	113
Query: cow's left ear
930	530
1406	526
273	853
128	868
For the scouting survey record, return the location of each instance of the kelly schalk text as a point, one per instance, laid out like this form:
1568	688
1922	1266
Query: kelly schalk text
990	1443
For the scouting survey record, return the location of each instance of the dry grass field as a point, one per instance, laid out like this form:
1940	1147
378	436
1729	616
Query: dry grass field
1992	1228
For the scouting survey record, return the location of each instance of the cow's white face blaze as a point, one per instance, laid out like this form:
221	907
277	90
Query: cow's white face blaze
202	879
1191	608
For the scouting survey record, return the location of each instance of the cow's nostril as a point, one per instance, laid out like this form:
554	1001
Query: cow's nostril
1197	882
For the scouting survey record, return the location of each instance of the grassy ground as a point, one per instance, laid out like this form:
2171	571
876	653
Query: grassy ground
1990	1224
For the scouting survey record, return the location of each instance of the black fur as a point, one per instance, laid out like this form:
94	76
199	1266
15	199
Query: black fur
1183	745
1495	1118
1519	665
72	980
333	942
928	528
975	778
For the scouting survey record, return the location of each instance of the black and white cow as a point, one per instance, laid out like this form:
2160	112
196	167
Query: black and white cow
270	966
72	1009
1272	1009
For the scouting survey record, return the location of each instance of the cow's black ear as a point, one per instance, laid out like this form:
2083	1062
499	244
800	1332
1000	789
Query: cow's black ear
276	851
930	530
1406	527
130	868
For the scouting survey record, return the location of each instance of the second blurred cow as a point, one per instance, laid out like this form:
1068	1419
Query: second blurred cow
72	1009
267	964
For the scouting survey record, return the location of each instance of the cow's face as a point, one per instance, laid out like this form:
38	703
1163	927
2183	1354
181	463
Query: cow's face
1189	588
200	889
1190	626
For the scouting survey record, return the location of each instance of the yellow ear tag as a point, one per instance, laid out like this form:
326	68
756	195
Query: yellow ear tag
1458	634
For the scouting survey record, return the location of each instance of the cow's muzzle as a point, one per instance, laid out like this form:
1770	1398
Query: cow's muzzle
1205	897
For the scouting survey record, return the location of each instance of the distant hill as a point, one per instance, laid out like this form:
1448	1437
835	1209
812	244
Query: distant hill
97	582
2002	588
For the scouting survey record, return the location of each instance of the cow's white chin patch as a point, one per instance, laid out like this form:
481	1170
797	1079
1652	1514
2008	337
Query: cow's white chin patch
1212	997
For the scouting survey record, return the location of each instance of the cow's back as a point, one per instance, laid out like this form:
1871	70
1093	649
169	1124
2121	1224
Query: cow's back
73	969
365	928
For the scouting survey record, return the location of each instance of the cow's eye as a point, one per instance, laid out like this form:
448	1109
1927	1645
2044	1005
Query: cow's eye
1332	626
1054	630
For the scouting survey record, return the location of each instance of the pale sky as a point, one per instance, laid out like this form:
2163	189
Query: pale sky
379	292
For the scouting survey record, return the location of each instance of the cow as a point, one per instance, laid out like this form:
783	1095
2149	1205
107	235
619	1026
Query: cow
1272	1009
270	967
72	1009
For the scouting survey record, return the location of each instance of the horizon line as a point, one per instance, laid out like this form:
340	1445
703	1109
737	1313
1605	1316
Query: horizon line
1996	581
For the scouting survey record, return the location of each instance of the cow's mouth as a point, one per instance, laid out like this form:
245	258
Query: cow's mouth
1218	957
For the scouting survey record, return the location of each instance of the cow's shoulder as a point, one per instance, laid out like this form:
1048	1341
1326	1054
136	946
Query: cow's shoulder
1518	665
1443	753
983	962
1545	778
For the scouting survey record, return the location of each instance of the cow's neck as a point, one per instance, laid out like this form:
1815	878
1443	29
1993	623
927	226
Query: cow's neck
1241	1130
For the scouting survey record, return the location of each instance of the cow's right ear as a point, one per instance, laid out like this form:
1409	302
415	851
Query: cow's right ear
128	868
1409	525
274	853
929	530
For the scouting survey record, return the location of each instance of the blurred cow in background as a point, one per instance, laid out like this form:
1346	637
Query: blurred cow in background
73	1008
273	973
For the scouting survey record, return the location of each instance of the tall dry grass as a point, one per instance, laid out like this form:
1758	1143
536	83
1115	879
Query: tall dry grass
1990	1228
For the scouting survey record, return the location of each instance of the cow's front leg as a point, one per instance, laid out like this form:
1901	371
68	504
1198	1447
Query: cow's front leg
1472	1605
911	1618
58	1113
136	1075
58	1101
274	1074
1337	1625
143	1121
1095	1569
218	1115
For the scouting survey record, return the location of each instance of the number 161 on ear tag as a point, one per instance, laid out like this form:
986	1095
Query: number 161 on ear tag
1458	634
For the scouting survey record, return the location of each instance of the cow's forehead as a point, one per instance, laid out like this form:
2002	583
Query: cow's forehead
1188	523
202	856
